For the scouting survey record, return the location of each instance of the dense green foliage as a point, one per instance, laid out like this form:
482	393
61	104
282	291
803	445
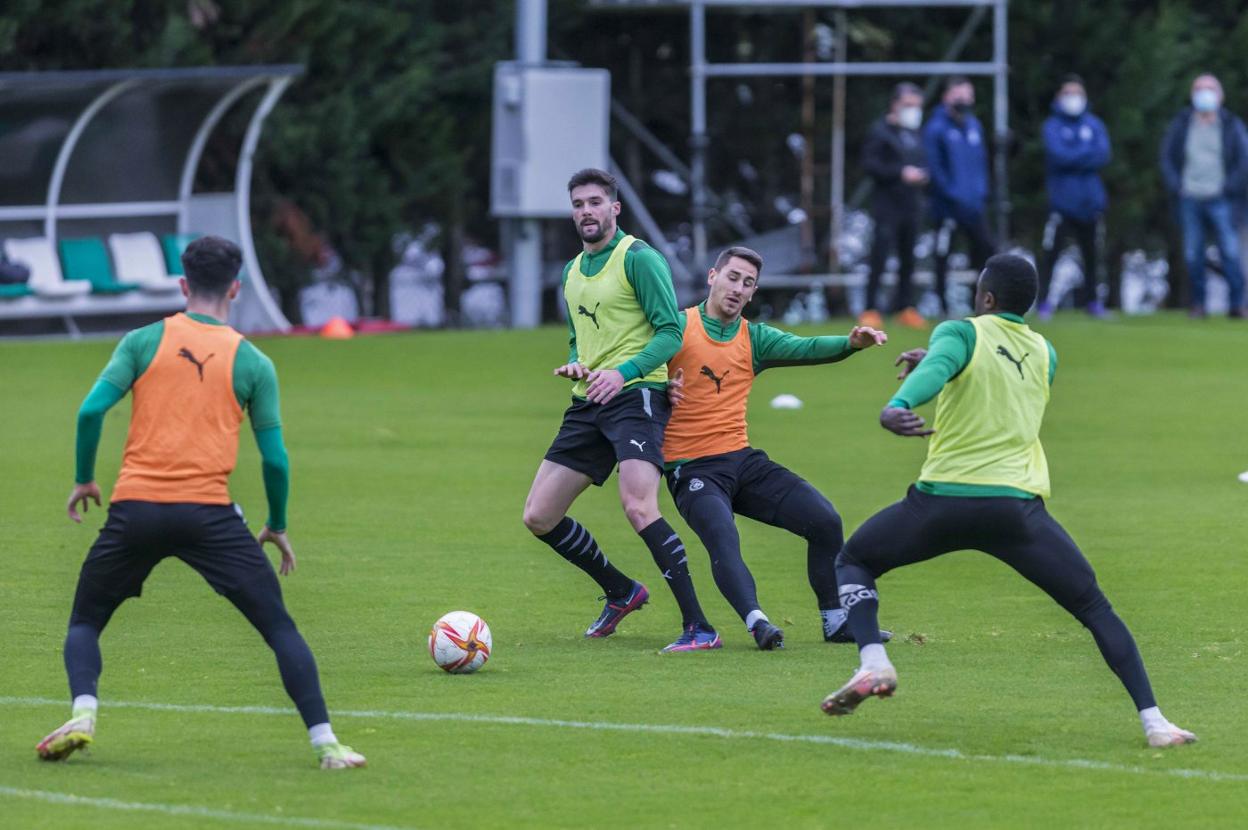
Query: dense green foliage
390	126
406	499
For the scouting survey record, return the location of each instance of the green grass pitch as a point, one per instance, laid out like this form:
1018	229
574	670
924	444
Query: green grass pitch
411	456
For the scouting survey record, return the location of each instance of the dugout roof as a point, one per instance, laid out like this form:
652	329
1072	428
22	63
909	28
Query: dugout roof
110	150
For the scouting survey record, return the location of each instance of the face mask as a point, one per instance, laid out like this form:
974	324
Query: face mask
1072	104
963	107
1205	100
910	117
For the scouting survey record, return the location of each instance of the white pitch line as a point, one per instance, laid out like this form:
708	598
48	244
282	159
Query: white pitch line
672	729
187	810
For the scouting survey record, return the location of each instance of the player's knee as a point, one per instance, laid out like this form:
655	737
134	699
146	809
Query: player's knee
538	523
827	529
641	512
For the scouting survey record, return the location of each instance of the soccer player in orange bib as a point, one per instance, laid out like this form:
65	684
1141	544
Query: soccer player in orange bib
713	472
192	378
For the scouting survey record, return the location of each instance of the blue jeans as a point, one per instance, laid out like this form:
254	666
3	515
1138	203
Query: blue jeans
1193	215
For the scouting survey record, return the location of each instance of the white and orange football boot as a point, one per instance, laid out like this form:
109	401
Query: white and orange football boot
864	684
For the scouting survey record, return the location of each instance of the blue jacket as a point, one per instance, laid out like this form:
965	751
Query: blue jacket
957	158
1075	150
1234	153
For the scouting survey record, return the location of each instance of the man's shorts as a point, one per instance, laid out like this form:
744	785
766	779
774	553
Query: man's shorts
211	538
747	479
593	437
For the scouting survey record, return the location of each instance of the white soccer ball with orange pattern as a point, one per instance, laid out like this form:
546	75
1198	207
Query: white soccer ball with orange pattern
460	642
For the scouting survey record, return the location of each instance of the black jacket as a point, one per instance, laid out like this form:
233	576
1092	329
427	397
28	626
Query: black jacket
886	150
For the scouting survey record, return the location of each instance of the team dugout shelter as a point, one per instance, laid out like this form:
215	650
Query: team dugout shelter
98	190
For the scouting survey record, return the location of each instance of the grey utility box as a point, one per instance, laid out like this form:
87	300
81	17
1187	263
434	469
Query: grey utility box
549	122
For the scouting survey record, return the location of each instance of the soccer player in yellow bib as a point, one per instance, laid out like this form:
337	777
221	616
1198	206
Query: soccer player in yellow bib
982	488
714	473
623	330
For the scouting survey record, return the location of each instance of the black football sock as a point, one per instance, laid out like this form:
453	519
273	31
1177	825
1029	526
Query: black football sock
1118	648
860	600
82	659
807	512
260	601
712	520
669	554
575	543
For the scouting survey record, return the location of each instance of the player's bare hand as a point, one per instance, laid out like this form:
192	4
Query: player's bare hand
911	358
604	384
278	537
901	421
573	371
82	493
676	387
864	337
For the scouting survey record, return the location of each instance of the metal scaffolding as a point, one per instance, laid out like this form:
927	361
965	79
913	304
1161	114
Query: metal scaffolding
700	70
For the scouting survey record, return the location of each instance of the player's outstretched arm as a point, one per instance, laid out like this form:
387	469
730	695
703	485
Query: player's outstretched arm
864	337
102	397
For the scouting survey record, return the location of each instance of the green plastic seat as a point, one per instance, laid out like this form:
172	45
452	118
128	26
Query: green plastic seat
9	291
87	259
174	244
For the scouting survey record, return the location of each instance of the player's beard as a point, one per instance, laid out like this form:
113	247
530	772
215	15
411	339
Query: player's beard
596	236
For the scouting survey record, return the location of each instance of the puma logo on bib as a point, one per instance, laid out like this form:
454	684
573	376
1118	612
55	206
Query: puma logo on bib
1018	364
186	353
706	370
592	315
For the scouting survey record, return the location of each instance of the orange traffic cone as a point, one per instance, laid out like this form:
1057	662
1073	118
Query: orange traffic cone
337	329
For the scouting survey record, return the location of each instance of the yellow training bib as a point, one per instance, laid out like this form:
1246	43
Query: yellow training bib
610	325
988	417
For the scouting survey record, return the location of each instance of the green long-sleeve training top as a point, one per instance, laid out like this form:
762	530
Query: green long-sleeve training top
949	352
255	387
651	278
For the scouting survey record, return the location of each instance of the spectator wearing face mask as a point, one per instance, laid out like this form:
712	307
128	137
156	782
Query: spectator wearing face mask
1076	148
957	158
1204	164
892	156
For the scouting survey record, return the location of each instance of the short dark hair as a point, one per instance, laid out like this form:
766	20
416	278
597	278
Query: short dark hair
1072	78
592	175
211	265
740	252
904	88
954	80
1012	280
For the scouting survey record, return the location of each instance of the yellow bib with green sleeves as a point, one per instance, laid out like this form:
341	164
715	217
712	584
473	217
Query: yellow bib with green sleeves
610	324
988	417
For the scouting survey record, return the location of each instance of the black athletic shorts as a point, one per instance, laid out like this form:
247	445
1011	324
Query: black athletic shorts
211	538
747	479
593	437
1019	532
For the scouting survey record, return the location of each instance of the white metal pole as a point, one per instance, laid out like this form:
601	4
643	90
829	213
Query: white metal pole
525	235
1001	115
698	138
838	140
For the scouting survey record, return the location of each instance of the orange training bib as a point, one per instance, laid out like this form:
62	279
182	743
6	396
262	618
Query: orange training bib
183	438
717	382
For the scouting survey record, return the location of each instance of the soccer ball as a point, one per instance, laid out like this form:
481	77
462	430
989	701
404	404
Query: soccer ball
460	642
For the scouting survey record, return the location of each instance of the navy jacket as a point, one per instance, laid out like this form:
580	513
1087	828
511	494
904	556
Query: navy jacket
1075	150
1234	153
957	159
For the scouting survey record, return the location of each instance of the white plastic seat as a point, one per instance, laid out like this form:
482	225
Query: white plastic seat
46	278
138	260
